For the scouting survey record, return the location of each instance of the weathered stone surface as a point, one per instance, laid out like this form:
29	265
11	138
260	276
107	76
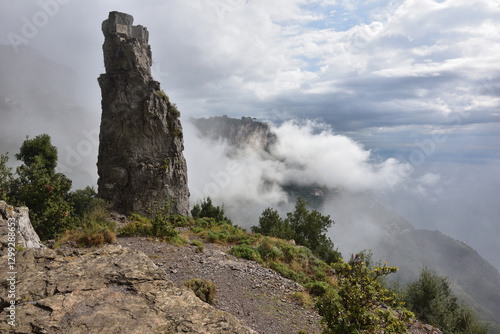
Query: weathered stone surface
109	290
26	236
141	141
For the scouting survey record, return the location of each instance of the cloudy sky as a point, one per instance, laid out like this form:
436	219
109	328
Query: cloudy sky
411	86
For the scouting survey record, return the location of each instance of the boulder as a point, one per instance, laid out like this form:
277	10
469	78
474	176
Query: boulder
109	290
141	141
26	236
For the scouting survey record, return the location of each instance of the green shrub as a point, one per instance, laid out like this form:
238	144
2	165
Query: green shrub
317	288
352	306
303	299
199	246
245	252
95	229
307	228
82	200
433	302
206	209
41	189
203	289
137	226
267	251
285	271
161	226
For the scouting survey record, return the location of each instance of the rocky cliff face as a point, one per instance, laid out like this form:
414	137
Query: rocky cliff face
141	141
239	133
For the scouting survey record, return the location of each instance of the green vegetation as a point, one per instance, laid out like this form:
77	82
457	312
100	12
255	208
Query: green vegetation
5	176
357	303
206	209
41	189
55	212
204	289
161	225
433	302
95	228
307	228
199	246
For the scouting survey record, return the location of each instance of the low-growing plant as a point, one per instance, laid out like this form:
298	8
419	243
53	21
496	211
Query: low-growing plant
161	226
204	289
303	298
245	252
199	246
137	226
95	229
318	288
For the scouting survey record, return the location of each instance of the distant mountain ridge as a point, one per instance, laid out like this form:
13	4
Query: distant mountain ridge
391	238
237	132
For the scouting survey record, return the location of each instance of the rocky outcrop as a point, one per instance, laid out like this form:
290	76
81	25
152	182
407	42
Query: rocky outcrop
25	235
109	290
237	132
141	141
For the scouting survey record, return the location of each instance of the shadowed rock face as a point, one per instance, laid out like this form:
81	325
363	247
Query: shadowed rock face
141	141
109	290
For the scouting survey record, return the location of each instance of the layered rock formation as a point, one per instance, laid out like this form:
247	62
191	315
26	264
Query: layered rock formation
141	141
25	237
109	290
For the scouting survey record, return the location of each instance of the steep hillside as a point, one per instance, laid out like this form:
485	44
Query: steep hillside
474	279
361	222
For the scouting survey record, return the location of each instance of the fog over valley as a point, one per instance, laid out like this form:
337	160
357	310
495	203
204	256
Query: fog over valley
378	109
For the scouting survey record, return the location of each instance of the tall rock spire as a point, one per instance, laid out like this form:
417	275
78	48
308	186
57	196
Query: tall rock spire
141	142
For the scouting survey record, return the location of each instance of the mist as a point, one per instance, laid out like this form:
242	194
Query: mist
396	102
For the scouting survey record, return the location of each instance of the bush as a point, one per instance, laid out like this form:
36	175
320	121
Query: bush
203	289
199	246
137	225
303	299
267	251
433	302
161	226
206	209
245	252
82	200
96	229
352	306
317	288
307	228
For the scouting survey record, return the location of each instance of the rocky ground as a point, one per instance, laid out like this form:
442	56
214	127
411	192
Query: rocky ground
258	296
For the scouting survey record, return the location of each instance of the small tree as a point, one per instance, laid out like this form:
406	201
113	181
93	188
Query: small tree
433	301
41	189
271	224
359	304
39	150
207	210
